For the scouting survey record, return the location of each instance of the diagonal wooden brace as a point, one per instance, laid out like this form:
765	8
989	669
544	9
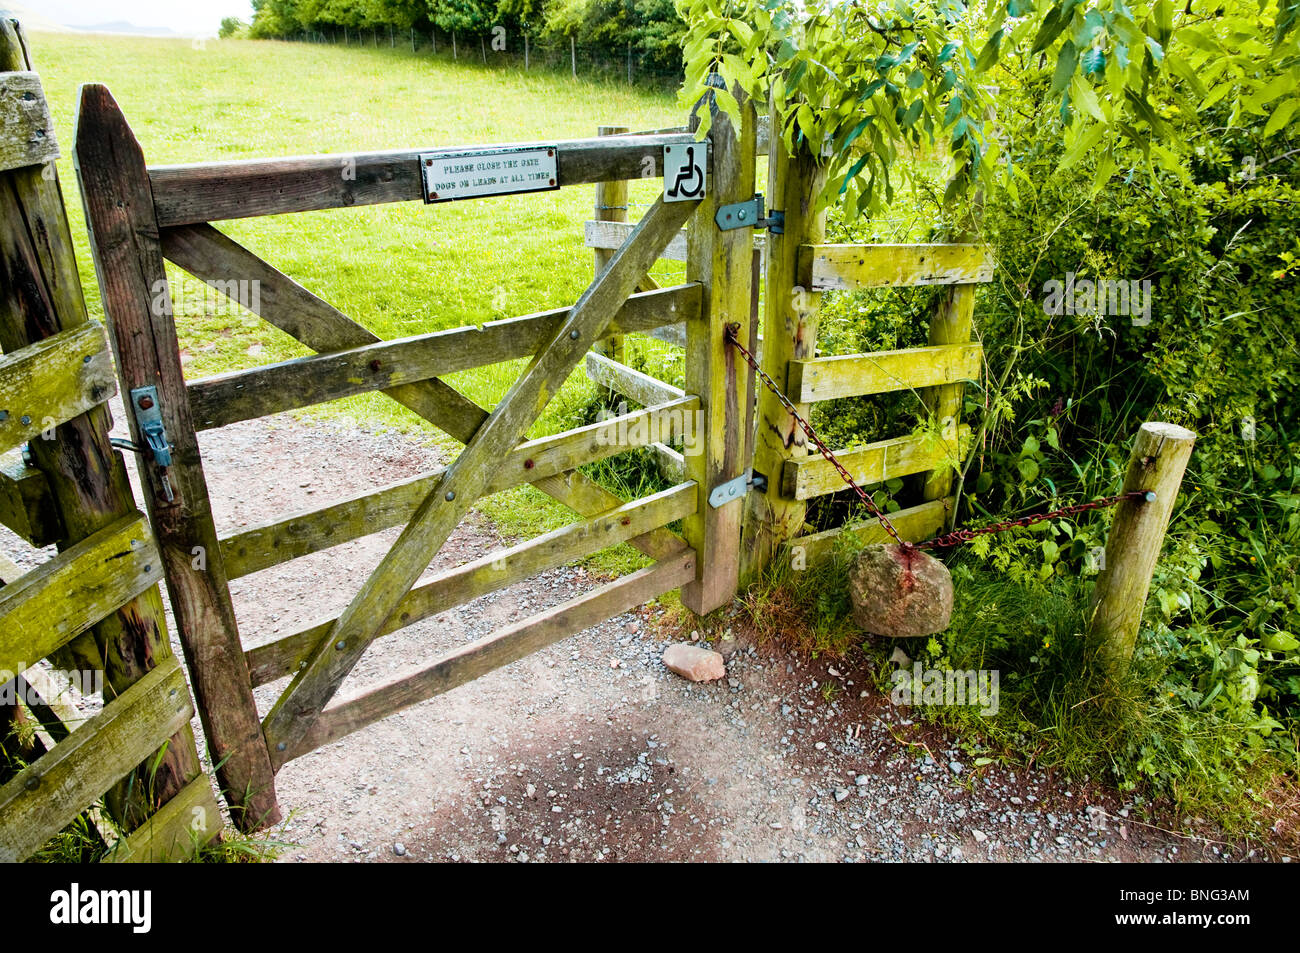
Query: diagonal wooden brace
465	481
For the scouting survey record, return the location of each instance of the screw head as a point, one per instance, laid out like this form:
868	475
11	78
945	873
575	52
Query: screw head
451	495
33	783
340	645
574	334
145	403
281	746
25	420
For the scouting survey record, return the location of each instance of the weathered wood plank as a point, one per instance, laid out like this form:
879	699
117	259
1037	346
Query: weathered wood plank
670	334
45	796
881	372
64	597
27	506
672	465
883	460
491	572
611	206
50	381
629	382
211	256
914	524
722	261
610	235
128	260
26	127
214	191
836	267
288	538
248	394
181	826
951	323
501	648
467	478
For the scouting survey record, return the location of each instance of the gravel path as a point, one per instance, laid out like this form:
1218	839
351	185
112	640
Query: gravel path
591	750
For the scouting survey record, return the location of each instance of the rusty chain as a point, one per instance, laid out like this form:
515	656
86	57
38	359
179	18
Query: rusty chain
956	537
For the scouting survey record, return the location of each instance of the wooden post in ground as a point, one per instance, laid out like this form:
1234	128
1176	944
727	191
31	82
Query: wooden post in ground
1159	457
951	323
721	261
40	296
611	206
791	313
123	228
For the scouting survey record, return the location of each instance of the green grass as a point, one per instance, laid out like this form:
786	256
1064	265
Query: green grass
399	269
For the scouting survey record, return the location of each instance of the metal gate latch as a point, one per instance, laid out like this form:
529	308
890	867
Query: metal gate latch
749	214
148	418
725	493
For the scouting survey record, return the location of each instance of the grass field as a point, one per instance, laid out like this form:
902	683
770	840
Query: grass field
399	269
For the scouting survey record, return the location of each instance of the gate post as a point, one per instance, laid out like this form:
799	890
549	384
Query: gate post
790	319
611	206
722	262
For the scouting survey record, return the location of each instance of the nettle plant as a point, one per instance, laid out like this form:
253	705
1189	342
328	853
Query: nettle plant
863	84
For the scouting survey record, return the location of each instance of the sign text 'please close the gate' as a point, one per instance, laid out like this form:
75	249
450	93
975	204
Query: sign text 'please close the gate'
465	174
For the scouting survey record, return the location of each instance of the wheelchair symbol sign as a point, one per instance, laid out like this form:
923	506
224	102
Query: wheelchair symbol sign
684	172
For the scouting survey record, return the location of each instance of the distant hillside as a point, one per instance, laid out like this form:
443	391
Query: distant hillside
121	26
30	19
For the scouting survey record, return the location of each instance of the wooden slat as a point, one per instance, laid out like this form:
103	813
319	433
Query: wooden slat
612	234
491	572
811	476
468	478
914	524
670	334
531	462
672	465
59	600
827	267
27	506
53	380
211	256
882	372
248	394
501	648
621	379
214	191
26	127
181	826
45	796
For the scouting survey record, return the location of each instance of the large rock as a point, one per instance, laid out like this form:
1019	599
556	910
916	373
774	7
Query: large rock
900	592
694	663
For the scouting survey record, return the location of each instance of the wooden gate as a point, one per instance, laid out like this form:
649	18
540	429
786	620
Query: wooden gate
138	216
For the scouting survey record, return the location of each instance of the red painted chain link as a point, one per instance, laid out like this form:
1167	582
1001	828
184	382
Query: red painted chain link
951	539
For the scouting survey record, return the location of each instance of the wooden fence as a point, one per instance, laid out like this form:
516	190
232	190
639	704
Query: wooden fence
95	607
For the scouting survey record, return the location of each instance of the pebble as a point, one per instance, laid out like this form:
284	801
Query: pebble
399	849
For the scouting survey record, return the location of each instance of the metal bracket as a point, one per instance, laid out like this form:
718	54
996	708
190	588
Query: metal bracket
148	417
749	214
725	493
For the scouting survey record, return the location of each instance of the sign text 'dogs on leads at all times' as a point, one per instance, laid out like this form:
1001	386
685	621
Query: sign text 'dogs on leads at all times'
474	173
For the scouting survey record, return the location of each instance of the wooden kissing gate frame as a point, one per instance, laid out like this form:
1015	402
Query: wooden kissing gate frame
138	216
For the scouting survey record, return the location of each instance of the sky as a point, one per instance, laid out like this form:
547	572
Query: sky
182	16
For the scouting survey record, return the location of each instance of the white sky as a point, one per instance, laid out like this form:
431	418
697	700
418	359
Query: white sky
183	16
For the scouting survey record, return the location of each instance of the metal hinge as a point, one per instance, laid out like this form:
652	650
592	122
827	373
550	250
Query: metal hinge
148	420
749	214
725	493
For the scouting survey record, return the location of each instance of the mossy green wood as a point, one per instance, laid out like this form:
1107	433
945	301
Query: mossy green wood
530	462
46	795
951	323
500	648
25	118
257	392
722	261
67	595
466	480
850	267
27	506
52	380
185	823
913	523
876	462
611	205
212	256
791	314
491	572
641	387
882	372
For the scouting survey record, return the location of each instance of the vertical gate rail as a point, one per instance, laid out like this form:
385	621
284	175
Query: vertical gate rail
96	606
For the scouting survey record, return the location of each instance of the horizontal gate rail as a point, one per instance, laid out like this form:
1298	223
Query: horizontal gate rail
49	382
529	462
501	648
48	794
216	191
913	523
191	818
491	572
26	504
848	267
810	476
882	372
257	392
641	387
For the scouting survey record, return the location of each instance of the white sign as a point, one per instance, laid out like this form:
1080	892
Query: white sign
684	171
471	173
